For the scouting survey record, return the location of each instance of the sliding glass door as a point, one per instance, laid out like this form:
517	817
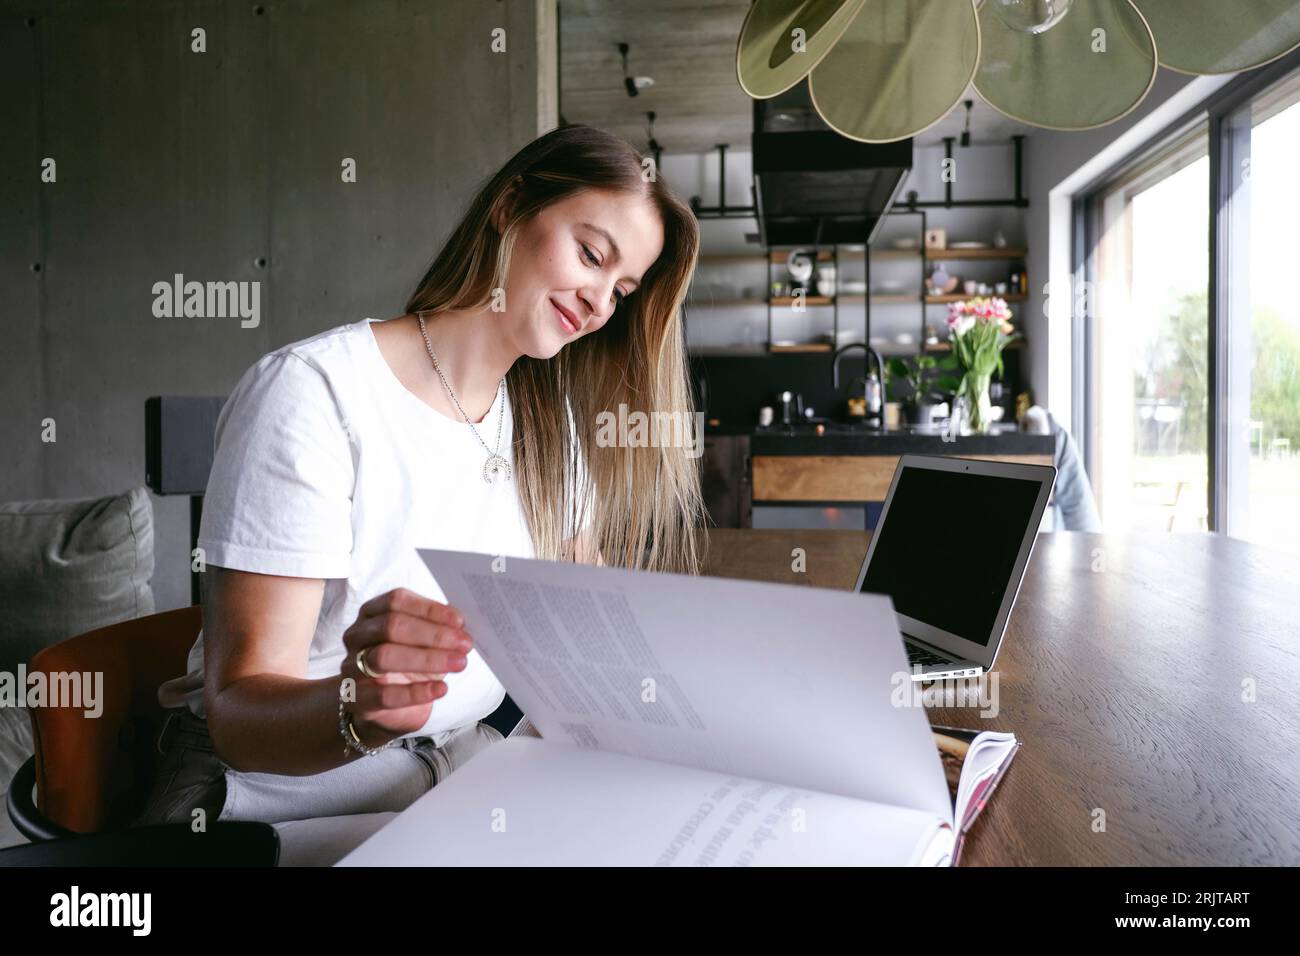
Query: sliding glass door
1259	496
1148	430
1188	334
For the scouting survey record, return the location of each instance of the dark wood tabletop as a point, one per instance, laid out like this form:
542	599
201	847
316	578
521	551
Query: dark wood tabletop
1153	680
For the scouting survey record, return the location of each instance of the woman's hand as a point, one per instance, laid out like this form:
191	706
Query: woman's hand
414	643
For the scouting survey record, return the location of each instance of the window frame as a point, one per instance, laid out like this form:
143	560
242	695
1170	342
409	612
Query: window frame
1216	112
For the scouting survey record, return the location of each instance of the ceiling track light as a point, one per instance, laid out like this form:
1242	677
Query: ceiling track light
628	83
633	84
652	144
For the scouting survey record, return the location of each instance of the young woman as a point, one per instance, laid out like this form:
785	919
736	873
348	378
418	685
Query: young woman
329	678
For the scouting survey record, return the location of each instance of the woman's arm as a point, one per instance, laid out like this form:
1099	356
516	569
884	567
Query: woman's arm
263	713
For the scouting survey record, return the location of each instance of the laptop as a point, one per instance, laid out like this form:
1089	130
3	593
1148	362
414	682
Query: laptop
950	549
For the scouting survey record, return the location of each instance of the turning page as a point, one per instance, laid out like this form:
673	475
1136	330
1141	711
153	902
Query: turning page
775	682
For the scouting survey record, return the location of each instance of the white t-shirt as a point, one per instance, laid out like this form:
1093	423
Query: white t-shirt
326	466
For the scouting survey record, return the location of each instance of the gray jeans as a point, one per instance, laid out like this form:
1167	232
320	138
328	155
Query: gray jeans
191	776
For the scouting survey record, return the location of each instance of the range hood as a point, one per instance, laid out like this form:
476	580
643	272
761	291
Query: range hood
813	185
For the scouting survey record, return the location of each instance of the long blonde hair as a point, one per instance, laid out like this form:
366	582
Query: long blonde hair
644	500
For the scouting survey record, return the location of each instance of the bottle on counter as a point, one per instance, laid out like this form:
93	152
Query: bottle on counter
875	398
1022	405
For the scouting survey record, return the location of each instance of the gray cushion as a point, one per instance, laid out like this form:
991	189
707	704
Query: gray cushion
15	748
70	566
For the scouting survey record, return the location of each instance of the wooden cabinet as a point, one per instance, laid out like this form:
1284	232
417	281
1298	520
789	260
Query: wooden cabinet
725	480
855	478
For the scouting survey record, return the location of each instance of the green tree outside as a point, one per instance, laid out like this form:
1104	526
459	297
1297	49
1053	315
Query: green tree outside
1177	369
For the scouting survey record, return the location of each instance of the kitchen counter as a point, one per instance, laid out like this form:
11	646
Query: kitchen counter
849	463
858	441
748	469
728	428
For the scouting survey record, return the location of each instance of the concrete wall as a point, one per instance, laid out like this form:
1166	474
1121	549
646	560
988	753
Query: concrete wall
225	166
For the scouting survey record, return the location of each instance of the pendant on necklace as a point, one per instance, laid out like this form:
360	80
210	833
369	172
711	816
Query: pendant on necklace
494	466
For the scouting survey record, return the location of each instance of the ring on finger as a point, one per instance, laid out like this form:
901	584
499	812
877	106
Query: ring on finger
362	666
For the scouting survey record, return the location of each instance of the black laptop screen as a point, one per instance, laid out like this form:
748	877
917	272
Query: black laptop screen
947	546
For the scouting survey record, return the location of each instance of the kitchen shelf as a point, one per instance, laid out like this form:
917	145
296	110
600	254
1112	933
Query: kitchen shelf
802	347
754	351
780	257
808	300
721	257
759	351
941	299
773	258
947	346
902	298
972	254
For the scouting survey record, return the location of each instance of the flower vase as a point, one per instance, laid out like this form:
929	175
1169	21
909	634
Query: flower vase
979	410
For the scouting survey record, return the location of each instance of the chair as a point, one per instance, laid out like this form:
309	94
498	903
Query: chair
1073	505
1198	511
225	843
92	775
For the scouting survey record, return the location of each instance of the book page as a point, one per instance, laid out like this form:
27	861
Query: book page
973	763
526	802
777	682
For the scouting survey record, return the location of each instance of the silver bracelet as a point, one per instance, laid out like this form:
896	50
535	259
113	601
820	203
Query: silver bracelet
351	739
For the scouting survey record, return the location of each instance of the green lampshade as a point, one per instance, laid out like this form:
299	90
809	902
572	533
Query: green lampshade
899	68
1090	69
1218	36
767	59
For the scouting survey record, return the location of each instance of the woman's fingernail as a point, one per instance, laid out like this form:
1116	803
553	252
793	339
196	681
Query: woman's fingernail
464	644
458	660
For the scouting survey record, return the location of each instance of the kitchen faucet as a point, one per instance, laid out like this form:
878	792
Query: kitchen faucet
875	389
872	353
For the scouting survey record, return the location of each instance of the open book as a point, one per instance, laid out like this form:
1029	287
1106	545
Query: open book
973	765
689	721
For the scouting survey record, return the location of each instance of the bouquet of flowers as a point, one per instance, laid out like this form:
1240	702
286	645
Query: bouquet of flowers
979	330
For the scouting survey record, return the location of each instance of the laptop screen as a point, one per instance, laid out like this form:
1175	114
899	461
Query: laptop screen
947	547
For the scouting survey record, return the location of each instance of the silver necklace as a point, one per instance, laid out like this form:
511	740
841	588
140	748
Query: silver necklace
495	465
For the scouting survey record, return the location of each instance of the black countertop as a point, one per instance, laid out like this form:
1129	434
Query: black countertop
729	428
854	439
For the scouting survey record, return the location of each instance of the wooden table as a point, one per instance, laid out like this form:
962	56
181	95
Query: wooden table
1123	673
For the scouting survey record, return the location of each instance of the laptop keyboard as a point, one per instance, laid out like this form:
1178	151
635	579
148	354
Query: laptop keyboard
919	655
